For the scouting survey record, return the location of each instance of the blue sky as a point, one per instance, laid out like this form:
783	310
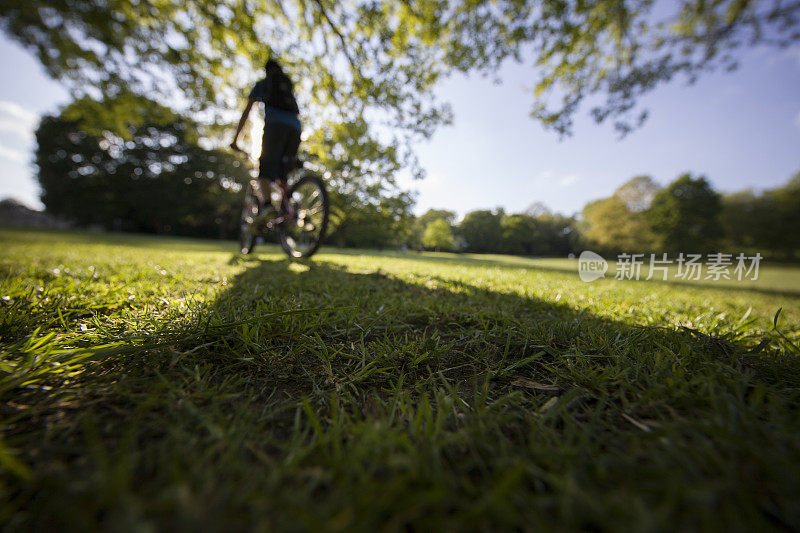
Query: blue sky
741	130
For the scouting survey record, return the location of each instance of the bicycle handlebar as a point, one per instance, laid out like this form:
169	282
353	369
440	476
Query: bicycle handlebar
235	148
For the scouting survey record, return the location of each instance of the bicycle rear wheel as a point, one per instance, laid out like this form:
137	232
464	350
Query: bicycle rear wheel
250	210
301	235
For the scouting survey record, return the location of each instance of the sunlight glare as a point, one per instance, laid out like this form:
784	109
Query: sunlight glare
298	268
256	130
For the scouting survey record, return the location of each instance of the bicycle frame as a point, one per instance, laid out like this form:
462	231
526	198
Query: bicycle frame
287	210
299	235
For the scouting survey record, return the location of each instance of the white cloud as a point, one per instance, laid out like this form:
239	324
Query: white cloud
550	177
17	120
18	156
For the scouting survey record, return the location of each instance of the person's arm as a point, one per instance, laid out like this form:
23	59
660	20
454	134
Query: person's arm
235	144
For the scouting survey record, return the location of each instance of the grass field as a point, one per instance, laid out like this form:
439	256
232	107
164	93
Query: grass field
156	384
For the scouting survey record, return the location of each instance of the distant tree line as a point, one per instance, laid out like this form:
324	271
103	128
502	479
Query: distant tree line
155	177
535	232
688	216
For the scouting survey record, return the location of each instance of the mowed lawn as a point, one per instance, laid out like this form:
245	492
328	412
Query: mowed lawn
158	384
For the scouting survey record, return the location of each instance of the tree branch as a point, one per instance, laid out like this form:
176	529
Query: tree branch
338	33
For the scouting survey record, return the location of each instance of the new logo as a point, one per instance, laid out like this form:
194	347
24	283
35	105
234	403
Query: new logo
591	266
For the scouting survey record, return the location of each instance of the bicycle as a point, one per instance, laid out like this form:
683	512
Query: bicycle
297	208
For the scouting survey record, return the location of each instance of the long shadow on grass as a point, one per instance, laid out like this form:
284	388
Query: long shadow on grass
383	326
308	396
534	265
472	388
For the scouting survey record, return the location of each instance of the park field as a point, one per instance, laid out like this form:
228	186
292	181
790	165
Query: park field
151	383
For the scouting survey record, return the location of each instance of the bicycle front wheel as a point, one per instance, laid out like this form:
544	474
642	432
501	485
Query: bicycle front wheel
302	234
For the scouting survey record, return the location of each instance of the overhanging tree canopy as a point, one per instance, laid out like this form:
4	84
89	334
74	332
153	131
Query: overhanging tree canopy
381	58
200	56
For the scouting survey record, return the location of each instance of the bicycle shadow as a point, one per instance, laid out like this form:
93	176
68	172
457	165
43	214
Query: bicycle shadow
386	315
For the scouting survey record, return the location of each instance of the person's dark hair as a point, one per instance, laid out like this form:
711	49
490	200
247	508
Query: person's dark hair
272	64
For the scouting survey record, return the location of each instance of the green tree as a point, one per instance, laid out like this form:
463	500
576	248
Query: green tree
743	219
555	235
637	193
609	226
537	209
519	234
482	231
783	234
158	181
685	215
438	235
619	223
768	222
613	51
361	174
348	60
376	225
386	56
437	214
417	227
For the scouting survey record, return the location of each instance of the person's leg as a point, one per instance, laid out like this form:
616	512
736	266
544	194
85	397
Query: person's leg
273	146
291	147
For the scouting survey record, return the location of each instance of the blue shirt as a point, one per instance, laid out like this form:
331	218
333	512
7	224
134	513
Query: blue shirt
274	115
279	104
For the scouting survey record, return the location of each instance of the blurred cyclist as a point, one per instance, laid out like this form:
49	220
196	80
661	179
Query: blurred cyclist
281	124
